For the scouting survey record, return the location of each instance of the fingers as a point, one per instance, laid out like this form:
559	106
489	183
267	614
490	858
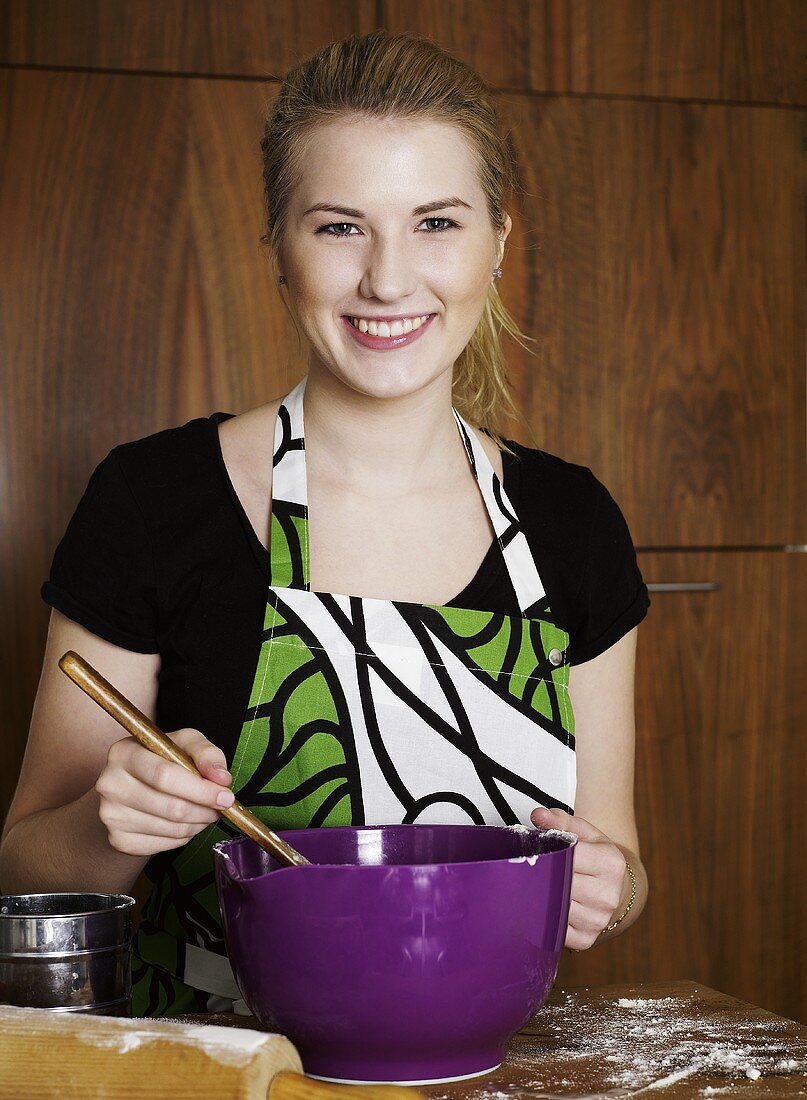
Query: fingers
594	896
166	777
149	805
141	844
125	819
600	858
208	758
601	896
135	795
584	926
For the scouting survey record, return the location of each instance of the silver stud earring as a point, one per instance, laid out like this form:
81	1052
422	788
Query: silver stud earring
497	274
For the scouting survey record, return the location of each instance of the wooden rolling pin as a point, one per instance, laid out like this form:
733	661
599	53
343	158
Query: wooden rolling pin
73	1056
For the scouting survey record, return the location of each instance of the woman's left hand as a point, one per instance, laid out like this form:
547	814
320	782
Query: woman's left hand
599	875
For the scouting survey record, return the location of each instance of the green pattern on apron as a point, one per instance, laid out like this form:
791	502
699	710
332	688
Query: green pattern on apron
343	684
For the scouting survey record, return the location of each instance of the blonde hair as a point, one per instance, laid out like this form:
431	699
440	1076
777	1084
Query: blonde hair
378	75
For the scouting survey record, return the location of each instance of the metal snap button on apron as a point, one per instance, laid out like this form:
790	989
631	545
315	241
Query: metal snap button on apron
555	657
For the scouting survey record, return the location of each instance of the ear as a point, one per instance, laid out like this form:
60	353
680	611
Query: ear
502	235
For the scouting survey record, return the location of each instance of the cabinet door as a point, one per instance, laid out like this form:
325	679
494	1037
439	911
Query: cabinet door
660	265
721	717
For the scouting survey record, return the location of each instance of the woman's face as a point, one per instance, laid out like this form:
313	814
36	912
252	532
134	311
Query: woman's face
380	257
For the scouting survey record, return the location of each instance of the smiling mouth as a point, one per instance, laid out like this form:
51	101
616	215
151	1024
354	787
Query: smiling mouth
389	329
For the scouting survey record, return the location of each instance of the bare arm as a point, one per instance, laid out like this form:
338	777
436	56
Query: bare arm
92	804
602	693
53	838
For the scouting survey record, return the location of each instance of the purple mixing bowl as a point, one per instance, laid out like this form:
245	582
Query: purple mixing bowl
405	953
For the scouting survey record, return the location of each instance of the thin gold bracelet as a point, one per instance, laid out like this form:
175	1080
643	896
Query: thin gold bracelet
630	902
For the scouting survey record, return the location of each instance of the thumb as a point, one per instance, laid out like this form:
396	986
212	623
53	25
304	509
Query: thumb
556	818
550	818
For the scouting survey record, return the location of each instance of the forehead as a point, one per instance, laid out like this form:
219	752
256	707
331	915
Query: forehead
376	164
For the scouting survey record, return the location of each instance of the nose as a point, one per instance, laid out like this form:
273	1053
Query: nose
389	275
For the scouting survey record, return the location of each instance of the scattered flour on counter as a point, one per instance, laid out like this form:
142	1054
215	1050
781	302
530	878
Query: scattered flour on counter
644	1002
645	1044
640	1046
787	1065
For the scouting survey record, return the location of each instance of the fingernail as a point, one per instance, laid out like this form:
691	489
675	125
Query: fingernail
225	799
222	771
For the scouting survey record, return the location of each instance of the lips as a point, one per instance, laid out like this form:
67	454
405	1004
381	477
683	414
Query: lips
386	343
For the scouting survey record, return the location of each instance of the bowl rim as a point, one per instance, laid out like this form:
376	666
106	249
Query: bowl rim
518	860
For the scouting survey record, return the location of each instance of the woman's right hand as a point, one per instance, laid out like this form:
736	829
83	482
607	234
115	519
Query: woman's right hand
151	805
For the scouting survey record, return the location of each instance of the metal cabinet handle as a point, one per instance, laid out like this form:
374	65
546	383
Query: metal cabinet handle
685	586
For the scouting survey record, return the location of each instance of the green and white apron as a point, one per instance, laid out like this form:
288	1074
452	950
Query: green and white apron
367	711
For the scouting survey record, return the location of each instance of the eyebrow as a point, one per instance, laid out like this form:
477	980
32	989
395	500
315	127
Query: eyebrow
419	211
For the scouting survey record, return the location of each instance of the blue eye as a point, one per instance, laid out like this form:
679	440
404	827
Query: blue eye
325	229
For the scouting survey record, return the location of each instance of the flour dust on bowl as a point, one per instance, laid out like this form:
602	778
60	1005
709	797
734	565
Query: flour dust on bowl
407	954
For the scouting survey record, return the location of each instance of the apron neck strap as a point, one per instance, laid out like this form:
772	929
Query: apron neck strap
290	493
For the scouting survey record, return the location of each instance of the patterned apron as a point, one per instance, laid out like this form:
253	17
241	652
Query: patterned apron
367	711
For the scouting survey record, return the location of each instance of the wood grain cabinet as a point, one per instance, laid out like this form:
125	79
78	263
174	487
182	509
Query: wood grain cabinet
721	714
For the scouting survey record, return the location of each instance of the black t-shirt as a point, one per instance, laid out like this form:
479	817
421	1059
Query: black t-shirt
160	557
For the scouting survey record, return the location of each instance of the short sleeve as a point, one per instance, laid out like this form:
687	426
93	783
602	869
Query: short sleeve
102	575
613	596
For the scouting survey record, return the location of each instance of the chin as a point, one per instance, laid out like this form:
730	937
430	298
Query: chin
392	383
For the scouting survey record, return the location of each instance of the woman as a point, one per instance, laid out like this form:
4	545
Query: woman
358	687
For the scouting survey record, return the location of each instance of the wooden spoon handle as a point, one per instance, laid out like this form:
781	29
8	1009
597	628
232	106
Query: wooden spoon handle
138	725
288	1085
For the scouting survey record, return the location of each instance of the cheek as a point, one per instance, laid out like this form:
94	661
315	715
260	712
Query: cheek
319	281
468	286
467	274
317	270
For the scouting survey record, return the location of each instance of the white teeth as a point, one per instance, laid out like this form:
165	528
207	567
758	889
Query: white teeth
384	328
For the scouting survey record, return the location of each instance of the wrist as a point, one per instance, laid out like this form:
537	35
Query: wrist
627	899
627	911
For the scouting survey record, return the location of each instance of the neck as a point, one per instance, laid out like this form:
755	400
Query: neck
384	446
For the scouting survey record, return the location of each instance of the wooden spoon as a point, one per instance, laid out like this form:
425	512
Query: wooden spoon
136	723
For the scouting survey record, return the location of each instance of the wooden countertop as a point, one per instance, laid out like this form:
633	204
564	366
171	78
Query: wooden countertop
657	1040
660	1039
